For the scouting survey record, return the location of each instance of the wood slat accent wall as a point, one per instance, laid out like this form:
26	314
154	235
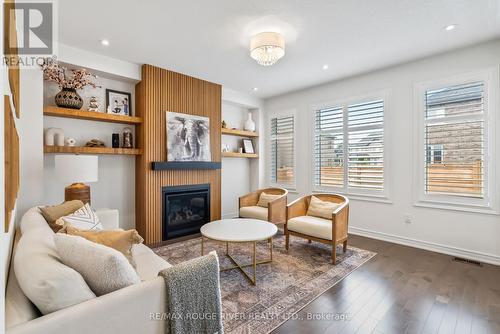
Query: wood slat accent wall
11	161
159	91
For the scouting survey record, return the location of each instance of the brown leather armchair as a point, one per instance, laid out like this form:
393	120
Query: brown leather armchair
332	232
274	213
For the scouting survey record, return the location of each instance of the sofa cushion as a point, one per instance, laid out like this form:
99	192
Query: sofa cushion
255	212
313	226
148	264
321	209
18	308
43	278
54	212
122	241
104	269
264	199
84	218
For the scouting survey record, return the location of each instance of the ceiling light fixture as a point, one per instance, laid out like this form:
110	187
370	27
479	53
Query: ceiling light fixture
450	27
104	42
255	89
325	67
267	48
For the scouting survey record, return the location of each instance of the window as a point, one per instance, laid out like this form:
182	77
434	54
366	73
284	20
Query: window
456	161
434	154
349	147
454	130
282	151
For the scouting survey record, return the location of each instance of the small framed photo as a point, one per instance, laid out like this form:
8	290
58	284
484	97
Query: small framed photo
248	146
118	103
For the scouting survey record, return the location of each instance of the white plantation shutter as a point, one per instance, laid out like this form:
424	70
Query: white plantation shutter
282	151
352	133
454	132
366	145
329	147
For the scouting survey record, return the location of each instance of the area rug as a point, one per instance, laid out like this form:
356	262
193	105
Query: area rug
283	288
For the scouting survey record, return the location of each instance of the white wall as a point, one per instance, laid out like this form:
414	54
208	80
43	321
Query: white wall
39	184
115	187
235	171
459	233
239	175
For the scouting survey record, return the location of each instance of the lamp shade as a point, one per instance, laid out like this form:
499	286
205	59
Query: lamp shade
76	168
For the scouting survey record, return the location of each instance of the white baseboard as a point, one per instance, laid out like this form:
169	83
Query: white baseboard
230	215
430	246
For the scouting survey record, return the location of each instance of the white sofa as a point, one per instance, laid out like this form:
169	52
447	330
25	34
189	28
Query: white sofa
129	310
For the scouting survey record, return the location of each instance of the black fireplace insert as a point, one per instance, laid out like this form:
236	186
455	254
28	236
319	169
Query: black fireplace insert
185	209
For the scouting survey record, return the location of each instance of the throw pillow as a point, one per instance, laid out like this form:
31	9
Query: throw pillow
103	268
321	209
122	241
264	199
54	212
43	278
84	218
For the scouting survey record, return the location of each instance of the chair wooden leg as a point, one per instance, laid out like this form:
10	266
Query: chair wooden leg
345	246
287	240
334	253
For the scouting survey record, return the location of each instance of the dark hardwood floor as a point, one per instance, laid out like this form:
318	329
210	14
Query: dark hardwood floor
406	290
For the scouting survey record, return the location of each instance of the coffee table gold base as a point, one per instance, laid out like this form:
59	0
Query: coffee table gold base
239	266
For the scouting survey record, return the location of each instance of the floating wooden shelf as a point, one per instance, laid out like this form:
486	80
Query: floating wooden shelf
240	133
91	150
239	155
90	115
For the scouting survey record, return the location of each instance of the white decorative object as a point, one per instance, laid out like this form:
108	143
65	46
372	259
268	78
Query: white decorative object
104	269
267	48
70	141
54	136
84	219
93	104
249	123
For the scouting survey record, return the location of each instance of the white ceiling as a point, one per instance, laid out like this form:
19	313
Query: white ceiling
209	39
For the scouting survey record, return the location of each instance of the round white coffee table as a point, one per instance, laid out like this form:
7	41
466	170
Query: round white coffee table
240	230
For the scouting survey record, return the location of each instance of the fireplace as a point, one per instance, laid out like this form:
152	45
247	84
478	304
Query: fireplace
185	209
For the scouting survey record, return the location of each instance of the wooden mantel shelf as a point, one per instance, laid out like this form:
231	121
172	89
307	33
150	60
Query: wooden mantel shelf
240	133
90	115
91	150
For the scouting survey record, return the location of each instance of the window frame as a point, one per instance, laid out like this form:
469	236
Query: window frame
487	204
383	195
293	114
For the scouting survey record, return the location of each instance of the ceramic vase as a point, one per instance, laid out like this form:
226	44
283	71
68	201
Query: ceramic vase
69	98
249	123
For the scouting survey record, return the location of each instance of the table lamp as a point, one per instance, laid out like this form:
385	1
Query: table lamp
77	169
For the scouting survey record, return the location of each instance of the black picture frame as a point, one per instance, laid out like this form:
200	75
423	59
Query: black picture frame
248	146
128	95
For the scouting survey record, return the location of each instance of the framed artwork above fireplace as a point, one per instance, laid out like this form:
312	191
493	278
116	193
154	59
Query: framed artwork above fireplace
188	137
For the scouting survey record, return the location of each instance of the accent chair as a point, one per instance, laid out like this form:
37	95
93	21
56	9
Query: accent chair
253	205
301	223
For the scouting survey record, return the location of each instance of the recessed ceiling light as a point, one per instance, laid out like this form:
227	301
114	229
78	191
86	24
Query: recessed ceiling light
325	67
255	89
450	27
104	42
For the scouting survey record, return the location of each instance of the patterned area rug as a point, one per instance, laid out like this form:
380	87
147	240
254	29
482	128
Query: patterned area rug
284	287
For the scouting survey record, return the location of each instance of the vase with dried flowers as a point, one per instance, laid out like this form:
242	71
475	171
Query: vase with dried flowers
68	83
